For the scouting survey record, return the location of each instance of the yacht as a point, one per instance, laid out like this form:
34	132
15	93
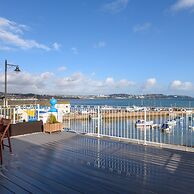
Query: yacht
166	128
191	127
134	108
171	122
142	123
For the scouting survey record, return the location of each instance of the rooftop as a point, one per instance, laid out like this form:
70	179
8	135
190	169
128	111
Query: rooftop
72	163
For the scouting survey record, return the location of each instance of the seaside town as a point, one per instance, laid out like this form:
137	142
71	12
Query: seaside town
32	96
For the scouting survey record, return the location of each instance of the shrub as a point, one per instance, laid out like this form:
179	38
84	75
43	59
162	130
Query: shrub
52	119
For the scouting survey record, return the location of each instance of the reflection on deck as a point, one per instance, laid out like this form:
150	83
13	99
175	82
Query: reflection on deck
70	163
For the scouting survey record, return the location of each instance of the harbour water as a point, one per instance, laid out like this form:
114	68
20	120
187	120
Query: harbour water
180	134
120	127
137	102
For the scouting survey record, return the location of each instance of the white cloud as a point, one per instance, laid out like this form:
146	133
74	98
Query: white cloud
15	40
109	81
75	50
115	6
150	83
25	82
179	85
100	44
123	83
46	75
77	83
142	27
62	68
11	36
183	4
56	46
80	84
12	26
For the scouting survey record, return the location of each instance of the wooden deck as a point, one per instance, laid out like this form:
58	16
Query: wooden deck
71	163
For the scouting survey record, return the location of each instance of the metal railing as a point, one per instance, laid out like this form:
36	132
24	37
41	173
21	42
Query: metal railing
141	125
163	127
20	113
8	112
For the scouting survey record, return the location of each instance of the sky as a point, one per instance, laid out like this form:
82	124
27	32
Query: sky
81	47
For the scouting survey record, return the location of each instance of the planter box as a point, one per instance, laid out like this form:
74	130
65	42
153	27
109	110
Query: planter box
26	128
50	128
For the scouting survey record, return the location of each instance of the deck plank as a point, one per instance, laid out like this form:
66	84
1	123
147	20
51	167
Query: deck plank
11	186
4	190
71	163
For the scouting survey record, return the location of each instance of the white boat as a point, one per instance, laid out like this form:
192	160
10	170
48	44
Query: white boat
130	109
171	122
166	128
156	125
94	117
191	127
138	108
107	108
84	112
134	109
142	123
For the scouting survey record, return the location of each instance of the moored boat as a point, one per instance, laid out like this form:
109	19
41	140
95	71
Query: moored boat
191	127
171	122
166	128
142	123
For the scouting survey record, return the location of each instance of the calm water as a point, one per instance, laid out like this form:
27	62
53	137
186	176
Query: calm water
137	102
180	134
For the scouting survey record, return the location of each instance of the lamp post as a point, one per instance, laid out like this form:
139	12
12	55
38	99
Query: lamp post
16	70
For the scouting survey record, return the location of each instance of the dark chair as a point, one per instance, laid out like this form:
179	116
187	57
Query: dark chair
4	133
1	120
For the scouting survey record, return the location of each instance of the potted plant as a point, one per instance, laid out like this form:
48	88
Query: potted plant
52	124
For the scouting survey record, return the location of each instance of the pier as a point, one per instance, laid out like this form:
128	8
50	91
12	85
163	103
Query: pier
108	115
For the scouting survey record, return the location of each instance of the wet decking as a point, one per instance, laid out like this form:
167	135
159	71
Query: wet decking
71	163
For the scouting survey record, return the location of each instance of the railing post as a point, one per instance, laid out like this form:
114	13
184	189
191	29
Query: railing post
4	113
98	129
145	143
69	121
13	115
38	112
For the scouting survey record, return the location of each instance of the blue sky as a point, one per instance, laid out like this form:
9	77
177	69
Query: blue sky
98	46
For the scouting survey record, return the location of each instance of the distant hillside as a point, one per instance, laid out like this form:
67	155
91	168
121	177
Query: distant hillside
120	96
150	96
36	96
